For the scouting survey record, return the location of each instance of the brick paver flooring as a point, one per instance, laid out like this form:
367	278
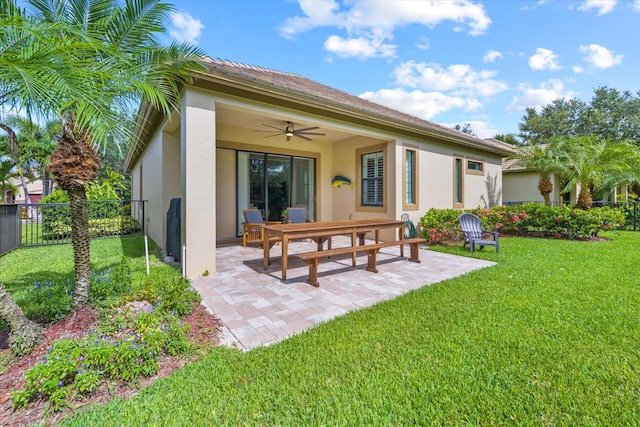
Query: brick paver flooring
258	308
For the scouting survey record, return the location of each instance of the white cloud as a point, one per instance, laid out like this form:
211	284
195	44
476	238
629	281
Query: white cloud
599	56
376	20
636	5
424	105
185	28
425	44
481	128
360	47
491	56
603	6
536	97
544	59
578	69
460	79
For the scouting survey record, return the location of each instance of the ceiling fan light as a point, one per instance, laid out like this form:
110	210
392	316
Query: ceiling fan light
288	131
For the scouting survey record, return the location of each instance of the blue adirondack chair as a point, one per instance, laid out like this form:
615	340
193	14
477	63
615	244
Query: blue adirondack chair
474	235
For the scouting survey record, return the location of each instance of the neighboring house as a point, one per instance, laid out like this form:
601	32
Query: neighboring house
228	149
33	187
521	185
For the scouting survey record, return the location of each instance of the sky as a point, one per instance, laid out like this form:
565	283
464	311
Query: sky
447	61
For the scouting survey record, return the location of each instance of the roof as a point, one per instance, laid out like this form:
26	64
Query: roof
268	85
510	164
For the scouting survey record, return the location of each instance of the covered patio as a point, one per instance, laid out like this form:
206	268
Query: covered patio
258	308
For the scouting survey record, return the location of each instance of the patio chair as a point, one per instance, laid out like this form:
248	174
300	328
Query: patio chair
473	233
297	215
252	226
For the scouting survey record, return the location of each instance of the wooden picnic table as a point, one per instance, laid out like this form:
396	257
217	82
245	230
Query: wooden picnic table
322	231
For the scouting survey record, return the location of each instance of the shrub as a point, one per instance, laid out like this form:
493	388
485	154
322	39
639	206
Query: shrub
118	225
110	285
175	295
440	225
47	301
75	367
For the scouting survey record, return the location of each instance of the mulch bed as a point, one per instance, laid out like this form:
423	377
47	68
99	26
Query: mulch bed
205	331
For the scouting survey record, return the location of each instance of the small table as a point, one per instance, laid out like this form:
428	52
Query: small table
322	231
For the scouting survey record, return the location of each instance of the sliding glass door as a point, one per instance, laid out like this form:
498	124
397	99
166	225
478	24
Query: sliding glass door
274	182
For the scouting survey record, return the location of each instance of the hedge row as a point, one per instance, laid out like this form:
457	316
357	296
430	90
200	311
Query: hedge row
118	225
441	225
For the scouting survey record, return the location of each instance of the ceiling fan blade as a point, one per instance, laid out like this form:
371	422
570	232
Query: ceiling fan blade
272	127
300	136
306	129
309	133
271	136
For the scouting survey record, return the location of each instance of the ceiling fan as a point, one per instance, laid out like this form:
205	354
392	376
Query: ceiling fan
290	131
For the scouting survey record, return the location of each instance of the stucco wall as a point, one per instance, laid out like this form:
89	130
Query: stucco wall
147	185
226	194
436	175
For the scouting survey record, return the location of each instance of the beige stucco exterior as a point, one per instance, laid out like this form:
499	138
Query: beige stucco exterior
193	155
33	187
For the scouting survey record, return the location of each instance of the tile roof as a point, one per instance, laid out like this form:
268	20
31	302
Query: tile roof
297	84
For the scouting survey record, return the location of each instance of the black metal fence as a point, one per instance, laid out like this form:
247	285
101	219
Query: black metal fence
9	228
50	223
630	210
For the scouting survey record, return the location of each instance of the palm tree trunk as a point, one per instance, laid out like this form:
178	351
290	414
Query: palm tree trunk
585	199
81	242
74	164
545	186
25	334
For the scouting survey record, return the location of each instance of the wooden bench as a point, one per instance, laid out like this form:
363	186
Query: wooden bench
313	258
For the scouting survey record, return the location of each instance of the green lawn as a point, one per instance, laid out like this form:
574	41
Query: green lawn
549	336
21	268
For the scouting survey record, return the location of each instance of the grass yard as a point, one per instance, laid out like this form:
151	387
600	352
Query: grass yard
549	336
20	269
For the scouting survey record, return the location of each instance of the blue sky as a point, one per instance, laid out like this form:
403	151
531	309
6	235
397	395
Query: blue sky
450	62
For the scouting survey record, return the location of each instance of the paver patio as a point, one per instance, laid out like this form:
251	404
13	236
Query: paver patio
258	308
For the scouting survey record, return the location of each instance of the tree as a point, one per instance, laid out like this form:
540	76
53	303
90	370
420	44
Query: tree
122	64
614	115
7	174
594	165
27	66
610	114
539	158
33	145
85	62
465	128
562	117
509	138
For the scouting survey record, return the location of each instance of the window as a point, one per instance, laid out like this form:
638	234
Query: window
371	167
458	183
410	179
475	168
372	179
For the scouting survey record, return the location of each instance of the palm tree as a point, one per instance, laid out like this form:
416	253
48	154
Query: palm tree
84	61
27	50
124	64
7	174
35	143
538	158
595	165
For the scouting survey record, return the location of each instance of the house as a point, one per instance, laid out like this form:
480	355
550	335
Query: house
248	136
33	187
520	185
